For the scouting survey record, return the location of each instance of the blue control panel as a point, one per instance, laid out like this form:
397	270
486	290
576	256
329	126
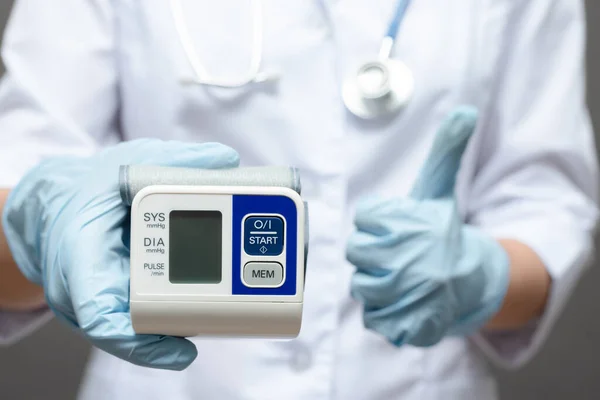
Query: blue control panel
263	236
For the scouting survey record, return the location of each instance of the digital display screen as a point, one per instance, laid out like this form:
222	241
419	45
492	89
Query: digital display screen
195	246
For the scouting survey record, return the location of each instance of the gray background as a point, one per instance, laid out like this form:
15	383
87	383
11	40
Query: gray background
49	364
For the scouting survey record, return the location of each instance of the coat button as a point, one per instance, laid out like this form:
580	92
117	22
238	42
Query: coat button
301	359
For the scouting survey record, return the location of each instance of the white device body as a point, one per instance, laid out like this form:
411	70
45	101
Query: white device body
159	306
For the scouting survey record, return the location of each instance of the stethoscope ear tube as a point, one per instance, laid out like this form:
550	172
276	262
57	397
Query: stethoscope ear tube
201	75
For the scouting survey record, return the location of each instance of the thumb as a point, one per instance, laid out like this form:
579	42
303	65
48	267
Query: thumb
438	175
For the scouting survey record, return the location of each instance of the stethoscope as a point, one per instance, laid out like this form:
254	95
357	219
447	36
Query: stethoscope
378	88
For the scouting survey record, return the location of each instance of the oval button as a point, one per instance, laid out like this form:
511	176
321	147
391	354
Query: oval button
263	274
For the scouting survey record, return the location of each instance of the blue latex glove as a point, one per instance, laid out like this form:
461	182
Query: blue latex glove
423	274
68	231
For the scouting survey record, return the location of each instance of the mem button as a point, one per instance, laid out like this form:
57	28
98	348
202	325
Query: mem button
263	274
263	236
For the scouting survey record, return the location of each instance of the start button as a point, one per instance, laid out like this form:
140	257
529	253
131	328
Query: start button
263	236
263	274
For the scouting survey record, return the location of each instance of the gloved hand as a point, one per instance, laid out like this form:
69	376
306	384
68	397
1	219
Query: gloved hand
421	273
68	231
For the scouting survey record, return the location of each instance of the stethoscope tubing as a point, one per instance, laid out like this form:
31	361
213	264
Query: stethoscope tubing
397	94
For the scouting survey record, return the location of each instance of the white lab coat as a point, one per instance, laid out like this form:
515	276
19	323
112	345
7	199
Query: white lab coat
86	74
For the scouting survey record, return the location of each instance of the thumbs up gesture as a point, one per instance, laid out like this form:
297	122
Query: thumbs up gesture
421	273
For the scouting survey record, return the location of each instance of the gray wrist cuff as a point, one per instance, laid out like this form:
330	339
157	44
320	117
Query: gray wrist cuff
133	178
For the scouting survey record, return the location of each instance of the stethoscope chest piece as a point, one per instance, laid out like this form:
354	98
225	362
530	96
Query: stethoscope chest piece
378	89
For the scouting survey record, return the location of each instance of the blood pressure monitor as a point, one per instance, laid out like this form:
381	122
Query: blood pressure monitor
216	252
